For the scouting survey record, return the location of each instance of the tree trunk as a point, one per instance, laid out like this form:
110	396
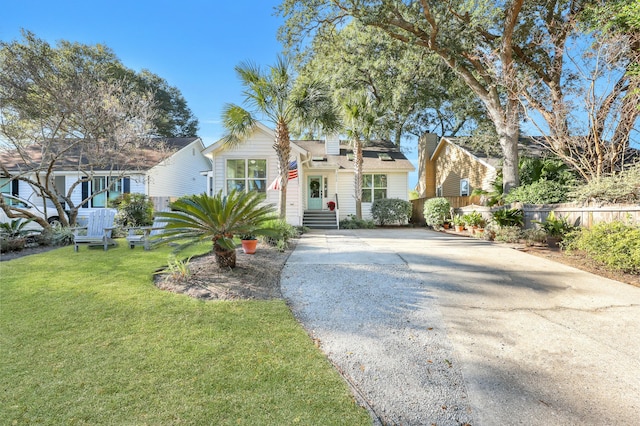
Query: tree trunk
224	258
282	147
357	172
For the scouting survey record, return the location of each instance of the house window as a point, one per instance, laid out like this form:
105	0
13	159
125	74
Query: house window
439	191
464	187
5	185
112	187
374	187
247	175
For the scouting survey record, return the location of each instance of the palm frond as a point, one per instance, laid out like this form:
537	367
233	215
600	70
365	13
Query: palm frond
239	124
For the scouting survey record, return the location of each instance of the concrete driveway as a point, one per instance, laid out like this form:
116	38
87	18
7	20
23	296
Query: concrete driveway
499	337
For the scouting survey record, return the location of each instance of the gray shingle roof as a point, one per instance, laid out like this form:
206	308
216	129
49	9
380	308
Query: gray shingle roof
370	153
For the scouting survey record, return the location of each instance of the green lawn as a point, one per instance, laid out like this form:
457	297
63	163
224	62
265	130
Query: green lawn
85	338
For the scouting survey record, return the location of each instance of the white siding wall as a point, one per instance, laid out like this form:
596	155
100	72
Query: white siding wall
259	146
180	174
397	187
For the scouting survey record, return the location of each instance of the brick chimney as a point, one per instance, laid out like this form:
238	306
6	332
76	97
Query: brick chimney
426	169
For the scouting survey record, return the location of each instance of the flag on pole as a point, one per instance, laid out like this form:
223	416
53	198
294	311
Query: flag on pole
293	169
275	185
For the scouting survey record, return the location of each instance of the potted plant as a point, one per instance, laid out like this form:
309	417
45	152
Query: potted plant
249	243
473	220
331	205
458	222
555	228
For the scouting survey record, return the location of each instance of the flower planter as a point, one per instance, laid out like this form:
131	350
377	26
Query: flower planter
459	228
249	246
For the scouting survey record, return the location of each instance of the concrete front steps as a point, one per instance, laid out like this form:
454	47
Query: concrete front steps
320	219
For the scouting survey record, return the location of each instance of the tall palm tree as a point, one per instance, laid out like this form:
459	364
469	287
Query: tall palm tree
219	218
276	96
359	119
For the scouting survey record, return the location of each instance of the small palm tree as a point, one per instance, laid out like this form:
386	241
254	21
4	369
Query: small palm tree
219	218
276	96
359	121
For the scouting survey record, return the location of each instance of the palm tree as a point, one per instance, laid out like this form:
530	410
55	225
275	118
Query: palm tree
219	218
276	96
359	119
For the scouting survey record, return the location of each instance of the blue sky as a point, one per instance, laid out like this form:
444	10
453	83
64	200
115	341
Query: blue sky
193	44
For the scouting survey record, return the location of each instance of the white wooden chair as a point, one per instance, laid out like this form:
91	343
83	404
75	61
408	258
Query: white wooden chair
146	236
98	230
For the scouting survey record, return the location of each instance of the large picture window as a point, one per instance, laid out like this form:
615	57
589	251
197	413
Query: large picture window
246	175
113	187
374	187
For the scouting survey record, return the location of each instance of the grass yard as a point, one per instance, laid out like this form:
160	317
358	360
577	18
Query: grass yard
86	338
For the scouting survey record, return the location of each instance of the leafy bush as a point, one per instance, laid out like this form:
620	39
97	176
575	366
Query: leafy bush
623	187
540	192
507	234
8	244
436	210
534	236
352	222
61	236
555	226
391	210
282	232
15	228
615	244
473	219
133	210
508	217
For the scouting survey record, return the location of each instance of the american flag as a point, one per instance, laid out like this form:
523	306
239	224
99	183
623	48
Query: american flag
293	169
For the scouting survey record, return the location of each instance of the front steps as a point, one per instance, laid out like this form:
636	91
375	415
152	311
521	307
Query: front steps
320	219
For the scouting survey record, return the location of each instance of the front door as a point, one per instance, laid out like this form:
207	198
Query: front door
314	201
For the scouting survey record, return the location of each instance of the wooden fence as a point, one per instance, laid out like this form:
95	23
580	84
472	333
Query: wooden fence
417	214
576	214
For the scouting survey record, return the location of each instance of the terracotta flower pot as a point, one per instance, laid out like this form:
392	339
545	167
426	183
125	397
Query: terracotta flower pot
459	228
249	246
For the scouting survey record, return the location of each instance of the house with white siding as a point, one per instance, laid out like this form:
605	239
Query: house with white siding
169	172
325	173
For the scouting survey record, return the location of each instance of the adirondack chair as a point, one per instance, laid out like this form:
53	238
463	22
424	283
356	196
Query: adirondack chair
98	230
146	236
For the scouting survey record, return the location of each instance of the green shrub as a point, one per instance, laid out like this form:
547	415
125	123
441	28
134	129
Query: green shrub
282	233
473	219
15	228
391	210
8	244
615	244
436	211
508	217
352	222
534	236
540	192
507	234
61	236
555	226
133	210
621	188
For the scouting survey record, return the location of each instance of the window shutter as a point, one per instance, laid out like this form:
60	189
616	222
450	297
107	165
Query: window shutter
126	185
15	187
85	193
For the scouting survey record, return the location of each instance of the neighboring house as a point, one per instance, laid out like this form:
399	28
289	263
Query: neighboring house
324	173
451	167
170	172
